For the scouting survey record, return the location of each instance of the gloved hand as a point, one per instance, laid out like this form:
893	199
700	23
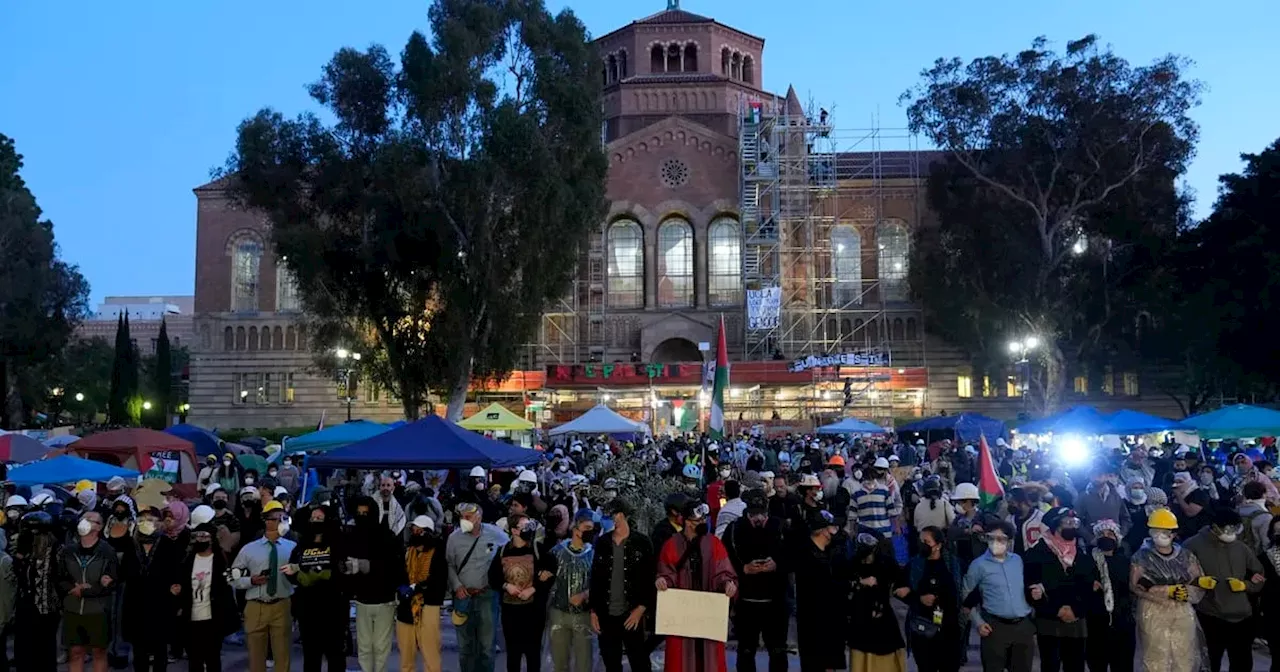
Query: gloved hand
1179	593
1237	586
351	566
363	566
1207	582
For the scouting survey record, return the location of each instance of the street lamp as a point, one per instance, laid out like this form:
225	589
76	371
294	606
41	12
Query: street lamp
79	396
146	405
346	359
1020	348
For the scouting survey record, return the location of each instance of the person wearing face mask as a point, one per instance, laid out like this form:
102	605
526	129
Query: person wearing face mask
569	614
1136	495
1269	601
1111	640
1254	517
229	474
149	575
933	604
418	608
120	522
288	475
675	505
88	573
1101	502
1163	578
1003	620
523	571
36	566
733	507
320	602
874	635
695	560
873	504
224	520
374	568
934	510
206	604
468	553
1062	579
1026	514
966	534
263	568
1231	572
622	591
207	472
755	547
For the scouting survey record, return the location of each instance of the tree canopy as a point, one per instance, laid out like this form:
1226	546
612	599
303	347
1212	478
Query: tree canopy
431	222
1057	202
42	298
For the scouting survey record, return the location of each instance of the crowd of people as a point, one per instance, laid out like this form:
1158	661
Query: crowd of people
878	549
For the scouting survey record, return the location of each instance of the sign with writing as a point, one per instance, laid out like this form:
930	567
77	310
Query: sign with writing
619	373
763	307
164	466
693	613
863	358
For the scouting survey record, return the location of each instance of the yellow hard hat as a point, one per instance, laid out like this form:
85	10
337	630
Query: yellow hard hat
81	486
1162	519
272	505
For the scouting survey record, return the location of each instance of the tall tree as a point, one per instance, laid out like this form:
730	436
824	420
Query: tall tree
130	382
42	298
117	402
85	368
162	380
1056	200
444	208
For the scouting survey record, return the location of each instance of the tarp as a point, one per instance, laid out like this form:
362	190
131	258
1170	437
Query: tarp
206	442
1074	420
601	420
495	417
21	448
334	437
67	469
156	454
967	426
851	426
1124	422
429	443
1235	422
60	441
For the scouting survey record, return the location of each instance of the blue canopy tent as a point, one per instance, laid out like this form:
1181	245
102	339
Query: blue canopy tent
331	438
966	426
1125	422
429	443
67	469
1074	420
1240	421
851	426
206	442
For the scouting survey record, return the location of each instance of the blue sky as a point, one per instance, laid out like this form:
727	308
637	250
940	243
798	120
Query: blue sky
121	108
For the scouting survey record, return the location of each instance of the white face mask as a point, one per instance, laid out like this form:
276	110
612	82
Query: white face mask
1138	497
1227	537
226	463
248	480
467	526
999	548
147	527
282	528
1162	539
84	528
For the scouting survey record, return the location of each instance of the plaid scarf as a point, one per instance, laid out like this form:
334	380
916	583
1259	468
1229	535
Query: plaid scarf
418	566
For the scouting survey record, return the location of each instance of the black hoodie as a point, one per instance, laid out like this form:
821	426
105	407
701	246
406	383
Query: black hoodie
370	541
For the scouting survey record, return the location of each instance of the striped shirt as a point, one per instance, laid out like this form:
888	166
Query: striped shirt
875	507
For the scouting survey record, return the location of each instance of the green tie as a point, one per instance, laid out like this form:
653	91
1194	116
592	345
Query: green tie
272	575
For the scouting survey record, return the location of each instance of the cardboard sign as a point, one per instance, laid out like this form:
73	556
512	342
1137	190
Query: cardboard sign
693	613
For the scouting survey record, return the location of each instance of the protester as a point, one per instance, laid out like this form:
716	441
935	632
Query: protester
1230	572
874	634
695	560
1101	502
755	546
1270	597
523	571
570	616
622	592
319	601
149	574
418	611
37	564
469	552
934	510
88	572
374	569
1110	625
933	605
206	603
1255	517
1163	578
1004	619
8	600
264	569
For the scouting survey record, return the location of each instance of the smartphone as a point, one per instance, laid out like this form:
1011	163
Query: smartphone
1145	583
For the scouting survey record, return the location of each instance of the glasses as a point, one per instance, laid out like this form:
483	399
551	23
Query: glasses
997	538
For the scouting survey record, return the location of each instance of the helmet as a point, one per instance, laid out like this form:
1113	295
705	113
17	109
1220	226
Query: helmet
610	484
932	485
201	515
965	491
81	486
477	472
272	505
527	476
836	460
37	521
1162	519
692	471
42	498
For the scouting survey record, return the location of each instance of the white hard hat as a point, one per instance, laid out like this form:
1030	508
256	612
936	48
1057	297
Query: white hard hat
919	442
213	487
15	500
41	498
201	515
965	491
477	472
424	522
881	463
527	477
809	481
894	458
280	490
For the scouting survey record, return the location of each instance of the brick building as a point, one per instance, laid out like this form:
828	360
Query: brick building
145	315
725	201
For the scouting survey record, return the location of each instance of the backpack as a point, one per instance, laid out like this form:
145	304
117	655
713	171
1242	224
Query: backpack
1247	534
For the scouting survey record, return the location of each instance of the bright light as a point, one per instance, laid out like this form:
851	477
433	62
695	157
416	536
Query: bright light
146	405
1080	246
826	395
1073	450
606	397
735	392
79	396
901	371
1032	342
342	353
1015	347
355	356
244	393
839	247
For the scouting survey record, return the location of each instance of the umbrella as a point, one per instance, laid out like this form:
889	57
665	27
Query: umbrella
67	469
253	461
21	448
205	441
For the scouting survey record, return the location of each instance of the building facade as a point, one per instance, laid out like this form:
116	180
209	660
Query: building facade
726	202
145	316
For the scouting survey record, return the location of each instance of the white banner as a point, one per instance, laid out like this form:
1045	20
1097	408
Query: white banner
763	307
867	358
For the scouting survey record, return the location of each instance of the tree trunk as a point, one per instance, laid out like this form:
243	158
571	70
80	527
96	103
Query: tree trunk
458	392
1055	369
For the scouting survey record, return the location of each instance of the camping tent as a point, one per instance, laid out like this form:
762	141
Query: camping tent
1074	420
21	448
155	454
333	437
966	426
205	441
1240	421
495	418
601	420
429	443
66	469
851	426
1125	422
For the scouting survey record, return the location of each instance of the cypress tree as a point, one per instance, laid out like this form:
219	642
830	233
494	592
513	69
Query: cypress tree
163	379
116	401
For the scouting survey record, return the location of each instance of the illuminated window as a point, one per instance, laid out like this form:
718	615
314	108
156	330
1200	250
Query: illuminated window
675	264
964	383
286	290
245	259
988	390
286	388
372	393
1081	385
724	264
626	265
846	265
894	245
1130	384
240	383
1011	388
1108	381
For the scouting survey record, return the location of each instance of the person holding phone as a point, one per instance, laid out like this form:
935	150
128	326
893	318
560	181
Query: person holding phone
755	547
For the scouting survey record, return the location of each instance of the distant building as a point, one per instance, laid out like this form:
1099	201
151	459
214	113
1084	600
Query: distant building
145	314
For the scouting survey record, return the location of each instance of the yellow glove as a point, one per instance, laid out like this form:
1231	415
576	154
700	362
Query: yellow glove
1237	586
1179	593
1207	582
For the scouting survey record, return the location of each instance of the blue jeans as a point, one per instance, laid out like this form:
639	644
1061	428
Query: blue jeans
475	637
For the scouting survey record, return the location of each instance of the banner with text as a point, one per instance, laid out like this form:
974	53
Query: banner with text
763	307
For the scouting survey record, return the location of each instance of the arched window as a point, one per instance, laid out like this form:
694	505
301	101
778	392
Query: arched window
846	328
657	59
735	66
894	246
859	330
266	338
674	60
253	338
691	57
748	70
245	257
612	69
675	264
899	333
846	265
290	338
912	329
302	337
833	329
626	265
277	338
604	73
622	64
725	58
286	289
228	339
240	342
724	263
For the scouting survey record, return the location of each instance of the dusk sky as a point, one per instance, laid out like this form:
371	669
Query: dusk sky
121	108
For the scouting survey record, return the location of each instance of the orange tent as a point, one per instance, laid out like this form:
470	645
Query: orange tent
143	450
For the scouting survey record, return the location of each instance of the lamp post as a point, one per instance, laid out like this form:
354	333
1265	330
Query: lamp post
1020	349
347	361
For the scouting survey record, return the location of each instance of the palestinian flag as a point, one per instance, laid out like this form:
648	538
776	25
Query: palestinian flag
989	488
720	385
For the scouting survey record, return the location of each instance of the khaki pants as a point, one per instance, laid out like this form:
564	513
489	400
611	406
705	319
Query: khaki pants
263	622
421	637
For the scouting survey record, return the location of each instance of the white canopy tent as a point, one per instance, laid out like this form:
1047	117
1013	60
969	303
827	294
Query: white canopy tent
601	420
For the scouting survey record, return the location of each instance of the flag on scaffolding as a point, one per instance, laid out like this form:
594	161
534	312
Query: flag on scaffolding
989	488
721	384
